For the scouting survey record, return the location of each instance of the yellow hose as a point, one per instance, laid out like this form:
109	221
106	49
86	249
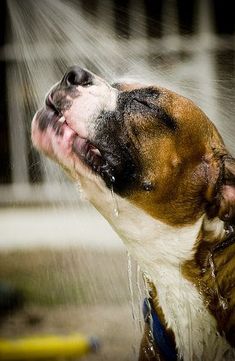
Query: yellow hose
46	347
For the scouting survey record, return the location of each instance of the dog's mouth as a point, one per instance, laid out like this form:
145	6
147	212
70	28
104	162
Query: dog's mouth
94	158
88	153
77	141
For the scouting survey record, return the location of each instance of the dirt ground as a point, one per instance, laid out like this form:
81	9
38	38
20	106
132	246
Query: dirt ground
112	325
91	297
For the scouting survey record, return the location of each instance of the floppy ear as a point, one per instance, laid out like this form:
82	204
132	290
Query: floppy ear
224	201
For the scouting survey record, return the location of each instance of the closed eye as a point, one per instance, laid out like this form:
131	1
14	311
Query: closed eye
157	112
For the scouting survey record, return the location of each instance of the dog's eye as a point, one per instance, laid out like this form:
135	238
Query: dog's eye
141	103
157	112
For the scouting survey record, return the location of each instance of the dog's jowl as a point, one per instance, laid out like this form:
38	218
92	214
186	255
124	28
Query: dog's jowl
174	182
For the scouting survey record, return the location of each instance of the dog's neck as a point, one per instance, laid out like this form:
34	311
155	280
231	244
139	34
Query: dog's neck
161	251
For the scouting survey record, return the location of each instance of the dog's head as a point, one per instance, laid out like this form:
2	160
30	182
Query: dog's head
153	147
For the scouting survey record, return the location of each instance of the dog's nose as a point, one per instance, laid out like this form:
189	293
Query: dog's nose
77	76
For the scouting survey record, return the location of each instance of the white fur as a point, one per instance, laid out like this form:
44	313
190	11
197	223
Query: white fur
87	107
214	225
160	250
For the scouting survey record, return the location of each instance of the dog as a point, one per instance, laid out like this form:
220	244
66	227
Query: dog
173	183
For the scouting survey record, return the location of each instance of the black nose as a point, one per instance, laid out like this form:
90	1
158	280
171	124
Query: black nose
77	76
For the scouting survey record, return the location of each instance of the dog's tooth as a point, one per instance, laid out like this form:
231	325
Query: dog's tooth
96	151
61	119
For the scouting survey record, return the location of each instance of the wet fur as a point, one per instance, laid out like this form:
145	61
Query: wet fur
175	187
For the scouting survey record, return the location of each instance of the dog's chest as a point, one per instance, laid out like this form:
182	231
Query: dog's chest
185	313
195	329
160	251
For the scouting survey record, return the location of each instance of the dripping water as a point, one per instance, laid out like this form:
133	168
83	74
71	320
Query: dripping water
222	300
115	203
150	335
133	312
140	297
61	29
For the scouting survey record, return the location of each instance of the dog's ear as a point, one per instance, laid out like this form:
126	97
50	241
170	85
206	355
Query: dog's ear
223	204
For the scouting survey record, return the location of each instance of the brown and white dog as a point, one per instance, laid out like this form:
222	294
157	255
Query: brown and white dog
174	184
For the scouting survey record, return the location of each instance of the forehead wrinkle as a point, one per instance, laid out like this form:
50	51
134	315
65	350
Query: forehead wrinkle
148	97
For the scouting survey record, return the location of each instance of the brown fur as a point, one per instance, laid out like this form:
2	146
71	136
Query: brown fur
191	174
219	290
178	164
187	173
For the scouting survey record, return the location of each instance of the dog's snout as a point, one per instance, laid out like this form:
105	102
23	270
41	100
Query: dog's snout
77	76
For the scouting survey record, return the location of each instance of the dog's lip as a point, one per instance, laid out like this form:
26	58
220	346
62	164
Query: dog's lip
87	151
81	145
75	139
51	104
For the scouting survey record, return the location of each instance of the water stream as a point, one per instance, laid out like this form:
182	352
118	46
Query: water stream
132	300
147	295
115	203
48	36
223	302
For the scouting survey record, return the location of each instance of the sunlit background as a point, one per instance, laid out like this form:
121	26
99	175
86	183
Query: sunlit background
60	262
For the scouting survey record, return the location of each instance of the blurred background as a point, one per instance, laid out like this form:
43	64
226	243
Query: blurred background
62	268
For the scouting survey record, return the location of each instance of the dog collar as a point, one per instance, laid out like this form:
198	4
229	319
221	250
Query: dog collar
159	333
228	241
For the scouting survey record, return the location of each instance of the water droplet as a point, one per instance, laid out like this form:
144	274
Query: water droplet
112	178
223	302
147	186
212	265
115	203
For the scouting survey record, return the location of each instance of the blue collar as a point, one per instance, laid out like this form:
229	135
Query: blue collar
160	336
